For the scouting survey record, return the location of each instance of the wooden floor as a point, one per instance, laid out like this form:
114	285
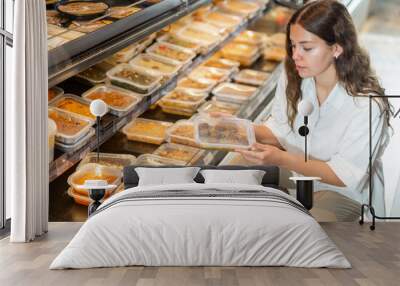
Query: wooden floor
374	255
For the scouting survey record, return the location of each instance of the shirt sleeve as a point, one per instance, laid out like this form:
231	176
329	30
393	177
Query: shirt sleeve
278	122
351	161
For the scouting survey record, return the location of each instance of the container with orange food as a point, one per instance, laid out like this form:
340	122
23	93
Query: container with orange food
120	101
70	127
74	104
146	130
54	92
94	171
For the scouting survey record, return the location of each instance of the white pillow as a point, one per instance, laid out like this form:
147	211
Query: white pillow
248	177
166	176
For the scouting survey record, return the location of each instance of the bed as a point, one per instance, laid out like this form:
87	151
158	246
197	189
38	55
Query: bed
201	223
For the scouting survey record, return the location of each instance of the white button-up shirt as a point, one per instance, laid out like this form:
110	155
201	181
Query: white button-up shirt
339	136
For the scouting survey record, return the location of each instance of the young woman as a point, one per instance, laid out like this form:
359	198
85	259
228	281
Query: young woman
326	66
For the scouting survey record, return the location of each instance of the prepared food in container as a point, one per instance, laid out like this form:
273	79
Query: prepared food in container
199	36
92	171
252	38
52	131
109	159
129	77
182	132
223	20
176	110
223	133
84	200
252	77
70	127
68	35
120	101
243	53
209	28
89	26
274	54
269	66
154	160
54	92
146	130
208	73
173	52
81	142
120	12
74	104
181	98
178	41
219	106
234	92
197	85
156	64
82	8
277	39
124	55
96	74
221	63
243	8
178	152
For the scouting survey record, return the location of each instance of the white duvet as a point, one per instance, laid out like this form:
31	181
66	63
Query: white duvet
192	231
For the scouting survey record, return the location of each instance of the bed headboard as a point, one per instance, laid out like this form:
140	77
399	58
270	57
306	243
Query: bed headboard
270	179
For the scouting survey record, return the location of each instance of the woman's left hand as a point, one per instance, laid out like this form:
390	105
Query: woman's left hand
262	154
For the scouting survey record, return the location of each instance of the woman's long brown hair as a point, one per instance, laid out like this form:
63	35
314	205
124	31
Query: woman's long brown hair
330	20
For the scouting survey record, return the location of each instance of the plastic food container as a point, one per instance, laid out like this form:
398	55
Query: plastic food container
157	65
176	53
146	130
74	104
139	80
223	20
96	74
55	42
120	12
178	41
274	54
269	66
221	63
88	26
120	101
223	133
52	130
126	54
108	159
68	148
242	8
252	38
93	171
219	106
211	74
197	85
233	92
199	36
84	200
154	160
209	28
251	77
178	152
70	127
177	110
182	132
181	98
54	92
245	54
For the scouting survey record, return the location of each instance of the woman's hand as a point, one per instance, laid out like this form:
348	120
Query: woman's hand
262	154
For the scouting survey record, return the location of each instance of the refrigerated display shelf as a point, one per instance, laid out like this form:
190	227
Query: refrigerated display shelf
111	124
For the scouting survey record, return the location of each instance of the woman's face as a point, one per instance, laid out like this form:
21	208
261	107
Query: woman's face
311	54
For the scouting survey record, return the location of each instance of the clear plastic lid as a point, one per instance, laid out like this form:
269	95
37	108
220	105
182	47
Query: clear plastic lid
126	54
70	127
222	63
198	36
208	73
109	159
178	41
178	152
120	101
81	142
75	104
159	65
120	12
234	92
177	110
181	98
240	52
274	54
54	92
252	77
133	78
182	132
223	133
96	74
269	66
243	8
146	130
173	52
252	38
154	160
223	20
209	28
93	171
196	85
219	106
